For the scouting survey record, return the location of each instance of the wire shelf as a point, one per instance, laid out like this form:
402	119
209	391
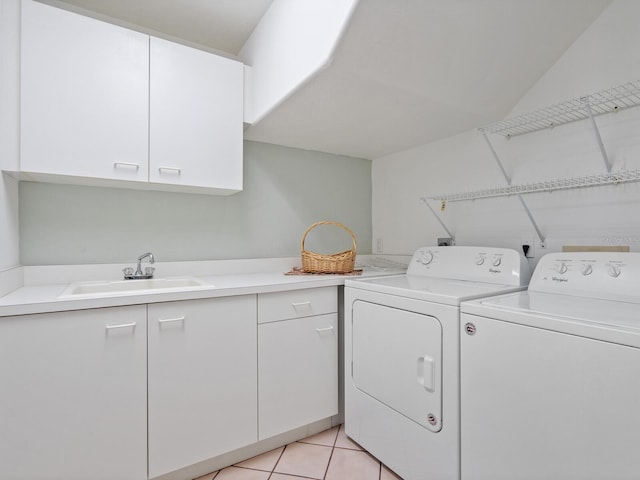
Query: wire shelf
604	101
613	178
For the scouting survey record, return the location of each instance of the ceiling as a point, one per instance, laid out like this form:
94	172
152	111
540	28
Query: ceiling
406	73
221	25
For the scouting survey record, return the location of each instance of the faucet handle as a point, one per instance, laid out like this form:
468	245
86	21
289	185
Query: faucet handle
149	271
127	271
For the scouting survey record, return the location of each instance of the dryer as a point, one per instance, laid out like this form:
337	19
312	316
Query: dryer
402	355
550	382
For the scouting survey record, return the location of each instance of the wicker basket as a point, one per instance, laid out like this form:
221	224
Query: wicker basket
342	262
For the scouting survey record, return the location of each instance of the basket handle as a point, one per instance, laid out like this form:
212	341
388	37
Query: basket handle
327	222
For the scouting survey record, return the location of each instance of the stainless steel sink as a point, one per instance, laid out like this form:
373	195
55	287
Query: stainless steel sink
135	286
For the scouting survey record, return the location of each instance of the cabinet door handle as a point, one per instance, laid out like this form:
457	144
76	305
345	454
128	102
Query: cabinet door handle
171	320
126	164
122	325
175	170
324	330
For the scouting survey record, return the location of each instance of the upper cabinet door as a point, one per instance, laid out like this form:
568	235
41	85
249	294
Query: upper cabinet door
85	90
195	118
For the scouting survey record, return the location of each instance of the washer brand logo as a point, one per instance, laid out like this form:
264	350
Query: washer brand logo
559	279
492	270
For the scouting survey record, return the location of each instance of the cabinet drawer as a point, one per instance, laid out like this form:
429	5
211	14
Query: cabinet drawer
296	304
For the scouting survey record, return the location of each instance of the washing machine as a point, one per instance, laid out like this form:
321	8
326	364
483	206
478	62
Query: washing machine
402	355
550	377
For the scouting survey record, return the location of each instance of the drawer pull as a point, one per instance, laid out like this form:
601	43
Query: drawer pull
171	320
325	330
175	170
123	325
306	304
126	164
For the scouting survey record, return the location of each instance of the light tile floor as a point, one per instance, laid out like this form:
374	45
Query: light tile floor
329	455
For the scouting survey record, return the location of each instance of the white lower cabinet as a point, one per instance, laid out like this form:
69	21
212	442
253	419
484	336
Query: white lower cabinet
297	360
135	392
202	380
73	402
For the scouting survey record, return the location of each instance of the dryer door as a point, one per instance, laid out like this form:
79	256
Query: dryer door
397	359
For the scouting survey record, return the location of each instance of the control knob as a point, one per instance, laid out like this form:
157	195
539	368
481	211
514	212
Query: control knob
614	270
497	261
586	269
562	268
479	260
427	258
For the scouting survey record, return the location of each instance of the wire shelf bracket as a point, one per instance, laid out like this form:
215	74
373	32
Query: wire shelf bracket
527	211
596	131
442	224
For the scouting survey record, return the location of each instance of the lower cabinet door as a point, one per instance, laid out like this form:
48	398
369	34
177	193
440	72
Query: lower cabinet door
202	380
73	395
297	372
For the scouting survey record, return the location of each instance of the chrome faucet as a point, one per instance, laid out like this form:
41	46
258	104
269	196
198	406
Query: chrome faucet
129	274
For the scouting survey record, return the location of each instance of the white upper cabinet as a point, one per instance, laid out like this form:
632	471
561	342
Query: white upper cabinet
195	117
84	96
104	105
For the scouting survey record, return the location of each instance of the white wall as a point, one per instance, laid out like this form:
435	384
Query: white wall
603	57
292	42
9	130
285	191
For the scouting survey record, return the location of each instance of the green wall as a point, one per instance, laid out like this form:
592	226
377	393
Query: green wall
285	191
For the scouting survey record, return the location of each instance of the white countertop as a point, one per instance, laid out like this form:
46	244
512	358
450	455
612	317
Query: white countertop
39	294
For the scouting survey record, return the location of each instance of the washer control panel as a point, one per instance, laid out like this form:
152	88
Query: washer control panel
605	275
481	264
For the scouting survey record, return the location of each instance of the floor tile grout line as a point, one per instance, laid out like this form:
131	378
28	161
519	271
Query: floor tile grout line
333	449
335	440
297	475
351	449
331	456
326	470
292	476
273	469
250	468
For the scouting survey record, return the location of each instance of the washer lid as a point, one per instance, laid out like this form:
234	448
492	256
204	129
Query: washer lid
436	290
609	320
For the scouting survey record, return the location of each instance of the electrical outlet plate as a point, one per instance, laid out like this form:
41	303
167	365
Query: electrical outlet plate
446	242
536	247
531	253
